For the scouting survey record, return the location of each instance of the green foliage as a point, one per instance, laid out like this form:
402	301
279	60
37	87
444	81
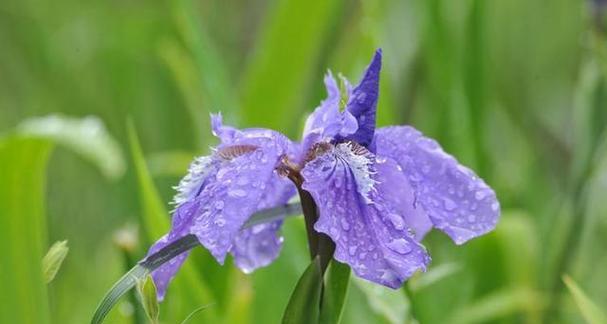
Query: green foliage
337	280
591	312
51	263
147	294
518	98
304	304
23	230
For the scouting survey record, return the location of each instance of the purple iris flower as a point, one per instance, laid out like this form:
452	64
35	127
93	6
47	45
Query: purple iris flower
377	191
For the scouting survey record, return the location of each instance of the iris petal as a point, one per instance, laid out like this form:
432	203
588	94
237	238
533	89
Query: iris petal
362	104
457	201
359	219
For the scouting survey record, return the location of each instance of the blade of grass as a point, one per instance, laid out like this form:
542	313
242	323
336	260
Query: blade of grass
23	230
590	311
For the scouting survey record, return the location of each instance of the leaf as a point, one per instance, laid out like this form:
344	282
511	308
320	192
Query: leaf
281	65
337	281
140	271
86	136
590	311
147	293
390	304
303	307
53	259
193	313
23	230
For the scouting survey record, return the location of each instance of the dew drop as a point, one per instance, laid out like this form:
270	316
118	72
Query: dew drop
449	204
352	250
397	221
220	222
218	204
471	218
495	206
237	193
400	246
242	181
345	225
480	195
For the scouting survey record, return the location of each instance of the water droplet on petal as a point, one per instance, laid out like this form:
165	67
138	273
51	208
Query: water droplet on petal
449	204
471	218
239	193
220	222
400	246
242	181
479	195
495	206
345	225
352	250
397	221
218	204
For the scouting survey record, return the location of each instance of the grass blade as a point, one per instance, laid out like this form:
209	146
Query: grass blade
590	311
23	230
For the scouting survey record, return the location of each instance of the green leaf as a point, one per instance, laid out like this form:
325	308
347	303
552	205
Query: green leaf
337	281
86	136
433	276
53	259
281	66
590	311
303	307
193	313
147	292
23	230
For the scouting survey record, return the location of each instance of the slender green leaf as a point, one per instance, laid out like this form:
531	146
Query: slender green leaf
590	311
85	136
23	230
147	293
193	313
337	280
53	259
433	276
303	307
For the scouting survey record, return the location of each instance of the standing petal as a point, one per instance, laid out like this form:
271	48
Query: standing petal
456	200
353	212
363	102
327	121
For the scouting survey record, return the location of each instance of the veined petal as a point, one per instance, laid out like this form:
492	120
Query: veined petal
457	201
259	245
220	193
182	218
362	104
362	223
327	121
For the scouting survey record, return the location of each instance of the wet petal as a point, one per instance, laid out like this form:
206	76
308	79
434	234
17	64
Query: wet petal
456	200
259	245
395	188
182	217
362	104
345	184
327	121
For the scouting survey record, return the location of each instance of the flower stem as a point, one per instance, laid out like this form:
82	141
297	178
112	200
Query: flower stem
319	243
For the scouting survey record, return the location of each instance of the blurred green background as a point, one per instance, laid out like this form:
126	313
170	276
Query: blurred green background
515	89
